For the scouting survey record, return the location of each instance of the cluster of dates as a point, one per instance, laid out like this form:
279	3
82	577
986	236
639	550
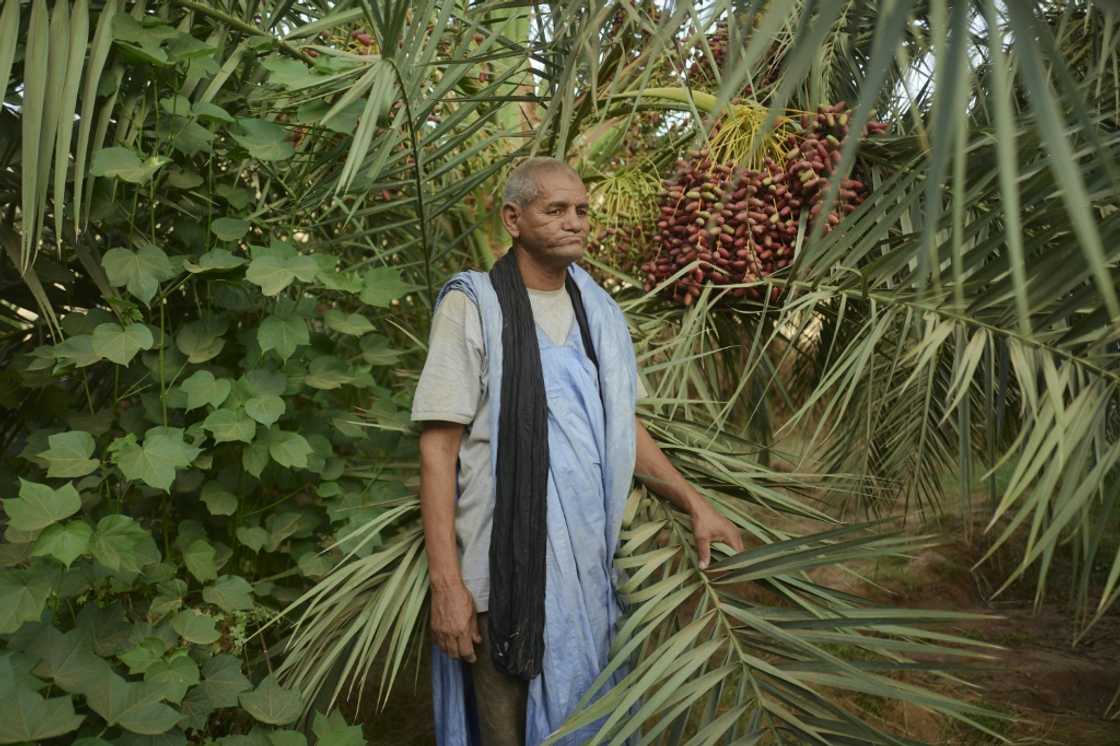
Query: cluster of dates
742	224
700	65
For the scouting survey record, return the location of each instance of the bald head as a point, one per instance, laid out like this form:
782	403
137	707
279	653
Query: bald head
523	185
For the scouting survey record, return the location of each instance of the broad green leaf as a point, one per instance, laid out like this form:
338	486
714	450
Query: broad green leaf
238	197
305	268
25	594
271	703
64	541
288	738
189	138
144	40
288	73
230	425
180	178
69	660
333	730
176	676
124	164
184	48
378	350
344	122
230	593
25	717
69	455
264	140
281	526
288	449
381	285
218	500
314	565
194	626
169	599
202	340
162	605
16	671
271	273
119	543
327	372
40	505
230	229
107	629
140	271
173	737
283	333
133	706
215	260
207	110
153	56
16	538
353	324
343	282
120	344
254	457
142	656
253	537
197	709
177	105
275	248
262	381
265	409
202	389
77	350
223	681
156	461
274	273
199	559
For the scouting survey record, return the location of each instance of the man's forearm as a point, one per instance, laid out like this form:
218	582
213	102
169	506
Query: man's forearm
439	452
657	473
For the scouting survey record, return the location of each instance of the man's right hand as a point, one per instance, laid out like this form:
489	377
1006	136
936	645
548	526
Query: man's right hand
455	622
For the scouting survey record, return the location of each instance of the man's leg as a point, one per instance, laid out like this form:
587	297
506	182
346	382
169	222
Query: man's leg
499	698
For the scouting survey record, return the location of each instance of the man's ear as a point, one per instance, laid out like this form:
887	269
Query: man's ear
510	214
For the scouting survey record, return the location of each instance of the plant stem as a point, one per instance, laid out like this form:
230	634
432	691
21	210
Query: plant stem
247	28
89	394
418	177
162	372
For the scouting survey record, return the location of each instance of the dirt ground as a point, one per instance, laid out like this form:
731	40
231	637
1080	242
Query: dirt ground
1050	690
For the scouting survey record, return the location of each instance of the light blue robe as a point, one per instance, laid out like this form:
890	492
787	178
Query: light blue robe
591	465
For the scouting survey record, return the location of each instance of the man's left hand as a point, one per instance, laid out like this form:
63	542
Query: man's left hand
709	526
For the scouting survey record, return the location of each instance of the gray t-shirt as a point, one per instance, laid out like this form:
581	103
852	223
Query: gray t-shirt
453	388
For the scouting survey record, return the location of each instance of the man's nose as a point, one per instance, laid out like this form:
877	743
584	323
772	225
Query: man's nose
573	221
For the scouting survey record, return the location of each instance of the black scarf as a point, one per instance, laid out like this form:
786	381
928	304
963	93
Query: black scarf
519	535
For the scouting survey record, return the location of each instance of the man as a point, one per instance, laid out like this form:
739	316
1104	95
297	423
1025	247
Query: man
529	446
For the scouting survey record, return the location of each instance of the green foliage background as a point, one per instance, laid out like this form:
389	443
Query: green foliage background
185	432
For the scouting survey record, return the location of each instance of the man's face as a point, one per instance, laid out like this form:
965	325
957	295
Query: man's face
552	228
